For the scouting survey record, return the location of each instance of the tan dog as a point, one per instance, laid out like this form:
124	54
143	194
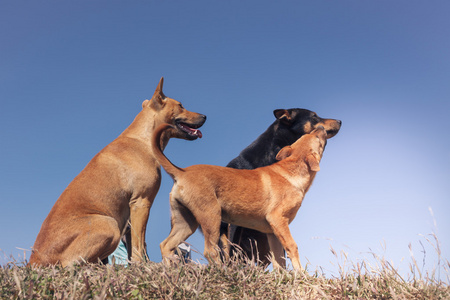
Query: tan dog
118	184
265	199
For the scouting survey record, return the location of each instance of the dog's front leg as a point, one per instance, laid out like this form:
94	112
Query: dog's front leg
277	250
280	227
139	212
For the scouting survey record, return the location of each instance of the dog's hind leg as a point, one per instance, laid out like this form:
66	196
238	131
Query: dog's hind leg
209	216
212	250
95	243
183	226
210	226
224	242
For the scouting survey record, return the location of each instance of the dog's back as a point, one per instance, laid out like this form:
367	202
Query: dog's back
266	198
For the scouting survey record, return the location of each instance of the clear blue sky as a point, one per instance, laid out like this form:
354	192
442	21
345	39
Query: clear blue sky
74	74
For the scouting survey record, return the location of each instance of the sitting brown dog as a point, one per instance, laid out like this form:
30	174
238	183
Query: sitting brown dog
118	185
265	199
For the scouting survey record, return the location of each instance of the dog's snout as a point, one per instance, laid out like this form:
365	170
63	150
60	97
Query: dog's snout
201	119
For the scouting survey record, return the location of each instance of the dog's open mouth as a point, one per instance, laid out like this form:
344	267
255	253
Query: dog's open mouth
190	129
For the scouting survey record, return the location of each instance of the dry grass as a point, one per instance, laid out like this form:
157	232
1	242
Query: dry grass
238	280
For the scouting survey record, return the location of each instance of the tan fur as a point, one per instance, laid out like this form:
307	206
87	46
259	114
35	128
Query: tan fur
265	199
118	185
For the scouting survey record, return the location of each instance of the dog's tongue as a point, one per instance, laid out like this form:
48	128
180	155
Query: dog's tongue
192	131
197	133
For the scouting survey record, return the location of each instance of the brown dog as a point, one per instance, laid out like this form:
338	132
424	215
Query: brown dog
265	199
118	184
289	126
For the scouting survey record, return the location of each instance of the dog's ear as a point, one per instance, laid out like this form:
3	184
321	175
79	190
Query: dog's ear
145	103
313	161
285	152
283	115
159	96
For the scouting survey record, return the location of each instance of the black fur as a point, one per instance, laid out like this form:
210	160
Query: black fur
287	128
281	133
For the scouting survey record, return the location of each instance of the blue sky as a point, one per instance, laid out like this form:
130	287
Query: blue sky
74	74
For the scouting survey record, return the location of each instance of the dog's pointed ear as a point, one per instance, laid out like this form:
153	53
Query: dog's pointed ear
285	152
313	162
283	115
159	88
158	95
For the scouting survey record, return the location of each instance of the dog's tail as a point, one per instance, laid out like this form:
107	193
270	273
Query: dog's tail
170	168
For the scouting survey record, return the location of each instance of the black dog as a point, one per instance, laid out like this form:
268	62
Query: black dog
290	125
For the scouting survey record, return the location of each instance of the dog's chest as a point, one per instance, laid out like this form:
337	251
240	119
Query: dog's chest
146	181
134	169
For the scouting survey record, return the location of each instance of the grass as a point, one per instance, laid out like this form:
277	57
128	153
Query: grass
237	280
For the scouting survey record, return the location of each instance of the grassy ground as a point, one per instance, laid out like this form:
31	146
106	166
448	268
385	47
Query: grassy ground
237	280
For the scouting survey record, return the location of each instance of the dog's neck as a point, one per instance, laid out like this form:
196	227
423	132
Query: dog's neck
299	175
143	126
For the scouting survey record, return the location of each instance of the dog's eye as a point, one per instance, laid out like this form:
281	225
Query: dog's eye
181	106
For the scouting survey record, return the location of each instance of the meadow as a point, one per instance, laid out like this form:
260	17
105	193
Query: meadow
238	279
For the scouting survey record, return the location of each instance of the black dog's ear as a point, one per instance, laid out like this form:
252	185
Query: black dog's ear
285	152
283	115
159	96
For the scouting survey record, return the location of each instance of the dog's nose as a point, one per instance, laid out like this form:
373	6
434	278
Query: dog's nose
203	117
340	122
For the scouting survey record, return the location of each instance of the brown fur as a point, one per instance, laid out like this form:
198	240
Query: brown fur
265	199
118	185
289	126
